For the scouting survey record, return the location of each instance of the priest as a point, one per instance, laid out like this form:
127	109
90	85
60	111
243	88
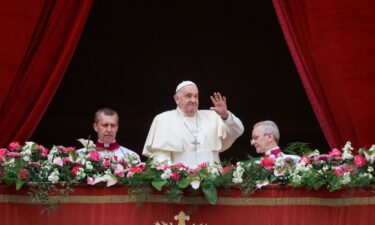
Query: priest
106	124
190	136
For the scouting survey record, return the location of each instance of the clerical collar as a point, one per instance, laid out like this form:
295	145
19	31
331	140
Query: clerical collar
110	147
273	151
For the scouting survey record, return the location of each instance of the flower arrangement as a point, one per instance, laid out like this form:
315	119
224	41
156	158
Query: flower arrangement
56	171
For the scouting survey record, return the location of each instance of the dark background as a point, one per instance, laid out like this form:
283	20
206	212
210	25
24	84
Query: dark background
132	55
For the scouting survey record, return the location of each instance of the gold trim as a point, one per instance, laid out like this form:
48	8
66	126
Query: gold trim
244	201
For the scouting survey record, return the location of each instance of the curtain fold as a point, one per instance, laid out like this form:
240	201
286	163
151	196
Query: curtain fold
39	38
332	45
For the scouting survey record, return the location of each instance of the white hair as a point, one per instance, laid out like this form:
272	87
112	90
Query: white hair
269	127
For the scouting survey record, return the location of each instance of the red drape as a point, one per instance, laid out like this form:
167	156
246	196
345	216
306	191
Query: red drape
38	38
332	44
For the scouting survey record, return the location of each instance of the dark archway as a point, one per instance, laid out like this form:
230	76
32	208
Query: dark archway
132	55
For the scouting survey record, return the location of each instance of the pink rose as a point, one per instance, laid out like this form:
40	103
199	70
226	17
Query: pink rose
23	174
175	176
3	152
359	161
106	162
268	162
349	168
335	153
14	146
338	170
43	151
94	155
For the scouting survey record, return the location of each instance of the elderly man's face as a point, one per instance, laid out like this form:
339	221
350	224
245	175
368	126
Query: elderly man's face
260	140
187	99
106	127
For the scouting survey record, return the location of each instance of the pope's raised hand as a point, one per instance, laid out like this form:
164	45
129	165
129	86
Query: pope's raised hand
220	105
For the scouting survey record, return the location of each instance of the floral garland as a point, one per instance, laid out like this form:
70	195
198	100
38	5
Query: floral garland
57	170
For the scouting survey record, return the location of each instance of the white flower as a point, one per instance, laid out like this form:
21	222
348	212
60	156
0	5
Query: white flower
80	174
89	166
347	151
296	179
346	178
261	183
237	174
58	161
167	174
54	176
370	169
195	184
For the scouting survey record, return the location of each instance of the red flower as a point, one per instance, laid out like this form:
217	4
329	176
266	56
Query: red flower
14	146
359	161
134	170
23	174
268	162
175	176
76	169
94	155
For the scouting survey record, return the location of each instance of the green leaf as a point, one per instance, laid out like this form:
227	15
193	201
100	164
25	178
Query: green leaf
184	183
158	184
19	184
210	192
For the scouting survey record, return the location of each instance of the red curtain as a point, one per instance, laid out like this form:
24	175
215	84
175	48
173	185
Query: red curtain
332	44
38	38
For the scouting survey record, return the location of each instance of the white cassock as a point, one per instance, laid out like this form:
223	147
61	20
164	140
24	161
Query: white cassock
193	140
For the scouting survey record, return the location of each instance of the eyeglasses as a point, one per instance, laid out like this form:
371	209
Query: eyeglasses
255	137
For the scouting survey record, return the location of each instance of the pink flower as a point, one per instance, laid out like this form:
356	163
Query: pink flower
119	170
3	152
23	174
175	176
66	160
359	161
227	169
94	155
268	162
76	169
349	168
43	151
69	149
14	146
180	166
305	159
106	162
335	153
134	170
91	181
338	170
14	154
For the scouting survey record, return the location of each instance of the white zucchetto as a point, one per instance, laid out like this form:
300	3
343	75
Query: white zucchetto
183	84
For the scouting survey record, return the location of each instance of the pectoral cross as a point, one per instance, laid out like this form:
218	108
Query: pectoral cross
195	143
